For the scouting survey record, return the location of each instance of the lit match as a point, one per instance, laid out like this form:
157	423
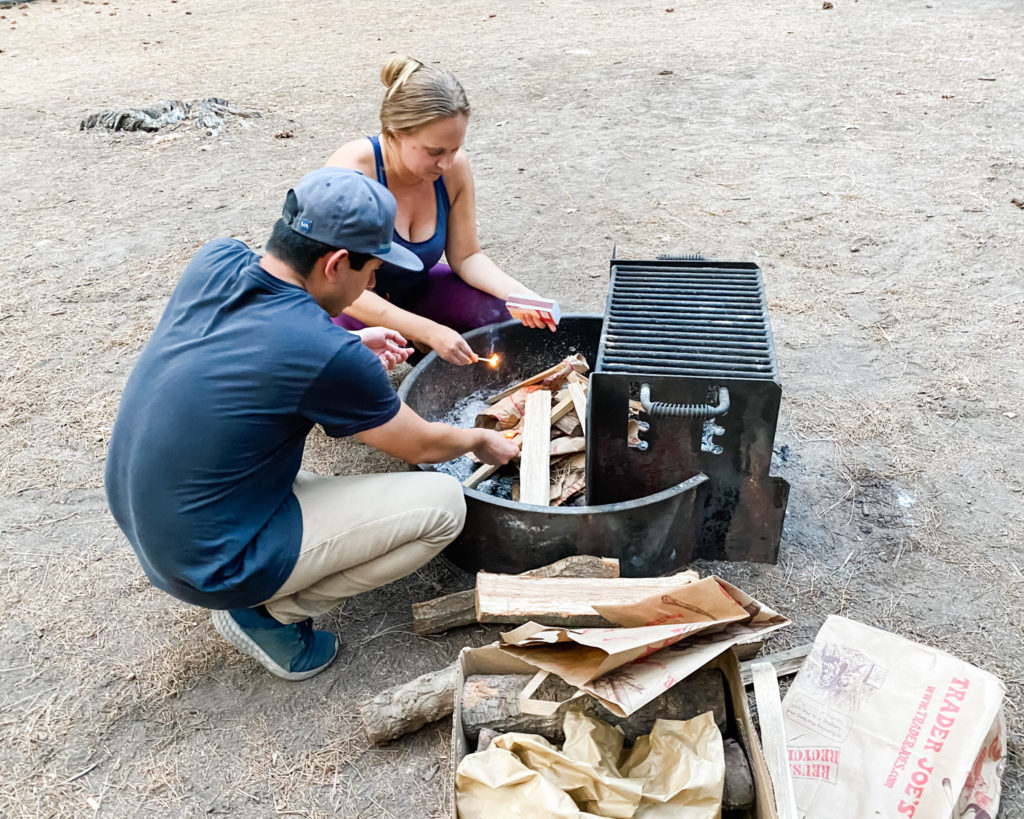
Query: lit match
493	360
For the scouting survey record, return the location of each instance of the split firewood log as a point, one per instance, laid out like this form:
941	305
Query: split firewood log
504	598
459	608
550	379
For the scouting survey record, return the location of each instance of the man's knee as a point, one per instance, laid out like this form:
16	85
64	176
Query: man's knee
444	494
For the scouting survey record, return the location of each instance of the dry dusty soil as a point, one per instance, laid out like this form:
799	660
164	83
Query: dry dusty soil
868	156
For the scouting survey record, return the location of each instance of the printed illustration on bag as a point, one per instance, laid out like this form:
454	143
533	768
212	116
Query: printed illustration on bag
844	677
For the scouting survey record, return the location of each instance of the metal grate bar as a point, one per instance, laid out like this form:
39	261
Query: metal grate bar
693	347
638	328
684	270
686	312
656	322
692	298
644	294
691	368
647	285
673	357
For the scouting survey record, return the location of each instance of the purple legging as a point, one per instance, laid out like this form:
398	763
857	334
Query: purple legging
448	300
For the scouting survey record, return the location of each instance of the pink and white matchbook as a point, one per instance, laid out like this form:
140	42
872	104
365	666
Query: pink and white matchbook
519	306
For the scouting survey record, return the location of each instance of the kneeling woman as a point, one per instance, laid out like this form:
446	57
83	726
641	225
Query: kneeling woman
418	155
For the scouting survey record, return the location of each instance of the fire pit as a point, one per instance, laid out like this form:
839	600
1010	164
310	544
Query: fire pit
649	535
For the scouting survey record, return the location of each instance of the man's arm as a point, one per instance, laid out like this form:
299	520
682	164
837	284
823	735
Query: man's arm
417	441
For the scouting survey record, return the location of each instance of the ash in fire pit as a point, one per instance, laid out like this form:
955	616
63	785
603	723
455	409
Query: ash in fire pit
463	414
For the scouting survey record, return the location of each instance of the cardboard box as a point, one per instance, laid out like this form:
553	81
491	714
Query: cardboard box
491	660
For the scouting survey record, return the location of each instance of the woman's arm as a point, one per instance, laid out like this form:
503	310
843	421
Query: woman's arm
462	249
374	311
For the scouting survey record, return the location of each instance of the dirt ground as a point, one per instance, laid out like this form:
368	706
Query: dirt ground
869	157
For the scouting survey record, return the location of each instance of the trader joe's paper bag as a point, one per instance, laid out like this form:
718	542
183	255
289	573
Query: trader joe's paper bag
877	725
626	668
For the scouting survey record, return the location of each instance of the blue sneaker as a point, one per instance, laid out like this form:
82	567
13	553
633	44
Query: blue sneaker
290	651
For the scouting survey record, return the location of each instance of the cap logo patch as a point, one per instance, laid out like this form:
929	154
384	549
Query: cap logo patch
305	225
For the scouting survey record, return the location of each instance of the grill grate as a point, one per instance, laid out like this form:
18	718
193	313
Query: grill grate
687	318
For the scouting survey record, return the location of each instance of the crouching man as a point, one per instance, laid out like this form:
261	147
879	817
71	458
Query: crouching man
203	472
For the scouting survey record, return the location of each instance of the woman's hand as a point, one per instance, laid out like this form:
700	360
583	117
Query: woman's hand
535	321
450	346
529	319
388	345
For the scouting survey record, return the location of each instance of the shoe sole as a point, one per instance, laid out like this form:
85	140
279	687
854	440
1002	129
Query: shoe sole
232	632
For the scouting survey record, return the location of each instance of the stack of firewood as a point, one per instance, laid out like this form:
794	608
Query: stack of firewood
546	414
491	703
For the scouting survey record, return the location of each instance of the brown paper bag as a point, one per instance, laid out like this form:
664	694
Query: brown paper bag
676	772
625	668
487	782
682	766
877	725
507	413
568	476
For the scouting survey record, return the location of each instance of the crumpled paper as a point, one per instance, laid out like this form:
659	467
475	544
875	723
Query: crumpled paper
675	772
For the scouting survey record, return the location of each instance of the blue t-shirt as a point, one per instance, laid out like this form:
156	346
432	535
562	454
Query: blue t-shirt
213	420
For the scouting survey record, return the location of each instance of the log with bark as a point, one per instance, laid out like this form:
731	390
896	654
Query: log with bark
491	702
406	708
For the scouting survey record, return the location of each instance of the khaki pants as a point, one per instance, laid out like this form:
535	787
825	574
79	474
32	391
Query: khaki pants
363	531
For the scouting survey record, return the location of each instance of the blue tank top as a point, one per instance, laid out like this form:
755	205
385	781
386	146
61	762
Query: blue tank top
394	283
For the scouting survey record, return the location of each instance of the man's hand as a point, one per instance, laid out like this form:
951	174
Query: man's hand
495	449
387	345
450	346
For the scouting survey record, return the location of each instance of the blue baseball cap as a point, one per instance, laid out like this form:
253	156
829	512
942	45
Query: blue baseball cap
345	209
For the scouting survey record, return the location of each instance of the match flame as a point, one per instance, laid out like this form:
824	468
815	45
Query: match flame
493	360
511	434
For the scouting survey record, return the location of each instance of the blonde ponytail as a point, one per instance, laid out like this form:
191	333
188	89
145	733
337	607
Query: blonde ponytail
396	72
417	95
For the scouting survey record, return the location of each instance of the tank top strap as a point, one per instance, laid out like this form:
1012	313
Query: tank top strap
442	197
378	160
